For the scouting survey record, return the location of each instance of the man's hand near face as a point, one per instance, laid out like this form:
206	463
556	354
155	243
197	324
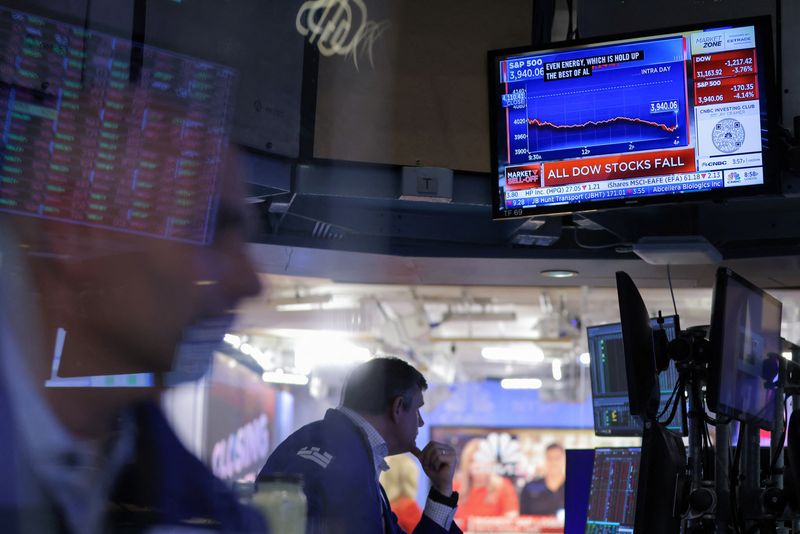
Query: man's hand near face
438	460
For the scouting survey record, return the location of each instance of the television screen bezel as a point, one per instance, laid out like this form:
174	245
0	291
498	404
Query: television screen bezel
714	382
771	96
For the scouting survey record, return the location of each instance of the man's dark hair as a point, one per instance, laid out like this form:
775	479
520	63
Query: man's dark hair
372	386
554	445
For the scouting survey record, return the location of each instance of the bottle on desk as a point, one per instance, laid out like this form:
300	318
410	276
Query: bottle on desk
281	499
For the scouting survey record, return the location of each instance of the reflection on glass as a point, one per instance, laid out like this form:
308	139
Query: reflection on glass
121	257
81	143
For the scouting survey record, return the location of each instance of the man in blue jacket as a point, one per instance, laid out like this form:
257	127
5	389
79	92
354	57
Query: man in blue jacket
341	456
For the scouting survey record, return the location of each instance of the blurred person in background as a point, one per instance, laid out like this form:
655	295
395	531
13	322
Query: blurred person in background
545	495
483	492
81	298
342	456
400	483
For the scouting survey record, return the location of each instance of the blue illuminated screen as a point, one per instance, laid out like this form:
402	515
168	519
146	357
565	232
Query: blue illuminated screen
669	114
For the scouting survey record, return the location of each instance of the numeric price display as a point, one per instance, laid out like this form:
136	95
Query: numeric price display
725	90
724	64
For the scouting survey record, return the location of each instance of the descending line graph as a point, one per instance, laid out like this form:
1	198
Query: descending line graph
610	112
627	108
632	120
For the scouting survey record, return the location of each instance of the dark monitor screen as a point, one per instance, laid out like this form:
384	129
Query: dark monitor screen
745	342
663	462
612	500
639	346
610	403
659	117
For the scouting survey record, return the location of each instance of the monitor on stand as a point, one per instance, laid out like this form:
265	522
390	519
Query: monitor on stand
610	404
745	339
663	458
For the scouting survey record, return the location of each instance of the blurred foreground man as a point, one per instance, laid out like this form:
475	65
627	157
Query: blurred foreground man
121	256
88	460
342	456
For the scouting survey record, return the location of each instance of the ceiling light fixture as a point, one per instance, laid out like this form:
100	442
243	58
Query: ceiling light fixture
259	356
521	383
299	307
559	273
557	374
314	351
529	353
301	303
233	340
279	377
479	316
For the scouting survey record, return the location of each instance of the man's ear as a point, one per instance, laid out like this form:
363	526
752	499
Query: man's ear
398	406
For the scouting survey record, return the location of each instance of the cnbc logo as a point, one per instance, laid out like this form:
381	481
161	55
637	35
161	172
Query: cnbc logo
501	451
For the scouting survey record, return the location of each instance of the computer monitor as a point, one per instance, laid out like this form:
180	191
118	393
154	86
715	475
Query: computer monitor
612	498
745	339
662	466
610	405
577	489
679	114
637	343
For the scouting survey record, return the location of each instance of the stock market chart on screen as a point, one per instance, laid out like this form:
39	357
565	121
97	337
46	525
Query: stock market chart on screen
612	497
103	131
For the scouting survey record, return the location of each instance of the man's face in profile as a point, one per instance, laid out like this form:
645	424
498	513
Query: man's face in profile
116	162
141	305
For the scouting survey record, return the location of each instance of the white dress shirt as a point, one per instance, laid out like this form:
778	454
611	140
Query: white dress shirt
440	513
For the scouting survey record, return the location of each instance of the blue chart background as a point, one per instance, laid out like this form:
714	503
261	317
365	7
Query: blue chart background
621	91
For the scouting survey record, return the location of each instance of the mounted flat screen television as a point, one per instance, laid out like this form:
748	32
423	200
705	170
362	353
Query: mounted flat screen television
681	114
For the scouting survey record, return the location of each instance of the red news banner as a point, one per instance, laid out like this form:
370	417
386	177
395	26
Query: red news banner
725	77
529	524
524	177
619	167
725	90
